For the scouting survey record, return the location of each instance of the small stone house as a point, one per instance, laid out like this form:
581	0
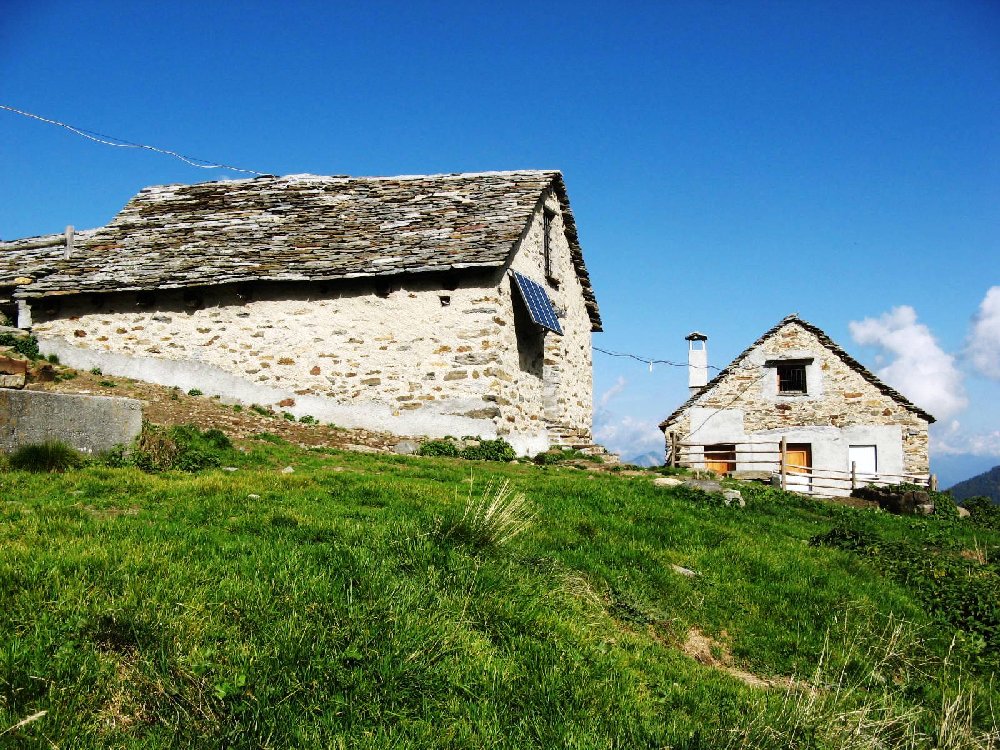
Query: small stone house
423	305
795	384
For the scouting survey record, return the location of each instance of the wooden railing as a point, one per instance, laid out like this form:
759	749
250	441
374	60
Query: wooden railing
773	458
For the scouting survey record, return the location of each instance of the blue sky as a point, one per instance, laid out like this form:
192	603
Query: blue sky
728	162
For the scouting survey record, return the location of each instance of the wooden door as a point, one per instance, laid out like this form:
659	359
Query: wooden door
798	460
720	458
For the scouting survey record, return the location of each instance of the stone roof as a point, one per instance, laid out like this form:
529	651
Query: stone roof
295	228
829	343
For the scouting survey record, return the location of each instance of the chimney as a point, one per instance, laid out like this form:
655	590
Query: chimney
697	360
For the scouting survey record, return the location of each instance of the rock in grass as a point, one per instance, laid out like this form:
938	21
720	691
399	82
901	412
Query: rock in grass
287	470
667	482
683	571
733	497
407	447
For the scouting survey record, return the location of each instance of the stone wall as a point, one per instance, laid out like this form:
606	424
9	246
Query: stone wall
840	408
418	355
564	382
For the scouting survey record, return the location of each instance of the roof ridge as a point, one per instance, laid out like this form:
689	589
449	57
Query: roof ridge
824	339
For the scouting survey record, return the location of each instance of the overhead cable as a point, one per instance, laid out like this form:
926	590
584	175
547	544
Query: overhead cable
110	140
648	360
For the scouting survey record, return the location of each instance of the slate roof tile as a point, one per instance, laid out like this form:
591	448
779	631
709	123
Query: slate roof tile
299	227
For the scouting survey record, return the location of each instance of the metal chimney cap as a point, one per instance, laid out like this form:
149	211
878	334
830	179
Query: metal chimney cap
696	336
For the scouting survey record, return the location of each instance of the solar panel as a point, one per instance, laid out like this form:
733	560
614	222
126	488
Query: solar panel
538	303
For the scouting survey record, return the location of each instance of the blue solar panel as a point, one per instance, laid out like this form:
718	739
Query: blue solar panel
538	303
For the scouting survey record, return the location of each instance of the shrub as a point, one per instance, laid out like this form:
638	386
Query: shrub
195	392
943	581
288	416
489	450
107	384
52	455
183	447
438	448
494	518
53	358
96	371
983	512
558	455
24	345
308	419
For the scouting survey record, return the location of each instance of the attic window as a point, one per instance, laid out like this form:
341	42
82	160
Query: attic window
792	378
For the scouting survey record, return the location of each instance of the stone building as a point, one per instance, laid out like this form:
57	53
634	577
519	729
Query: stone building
795	383
398	304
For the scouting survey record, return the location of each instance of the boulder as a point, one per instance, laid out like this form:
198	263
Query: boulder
667	482
407	447
733	497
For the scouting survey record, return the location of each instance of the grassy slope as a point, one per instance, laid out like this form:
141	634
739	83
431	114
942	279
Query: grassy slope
336	610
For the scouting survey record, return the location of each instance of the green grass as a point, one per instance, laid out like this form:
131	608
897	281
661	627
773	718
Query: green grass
333	607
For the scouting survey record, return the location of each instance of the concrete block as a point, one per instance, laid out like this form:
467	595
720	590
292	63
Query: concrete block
90	424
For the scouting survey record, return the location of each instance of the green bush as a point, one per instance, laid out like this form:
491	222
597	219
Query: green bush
24	345
52	455
438	448
489	450
195	392
183	447
983	512
948	586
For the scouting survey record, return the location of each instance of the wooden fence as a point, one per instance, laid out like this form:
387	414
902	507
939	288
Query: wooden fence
774	458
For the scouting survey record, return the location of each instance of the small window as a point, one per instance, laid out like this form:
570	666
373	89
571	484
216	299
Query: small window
792	378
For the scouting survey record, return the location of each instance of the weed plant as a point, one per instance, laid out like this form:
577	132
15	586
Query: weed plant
438	448
26	346
182	447
50	456
983	512
494	518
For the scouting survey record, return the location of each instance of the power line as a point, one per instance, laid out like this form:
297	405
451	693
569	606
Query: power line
648	360
110	140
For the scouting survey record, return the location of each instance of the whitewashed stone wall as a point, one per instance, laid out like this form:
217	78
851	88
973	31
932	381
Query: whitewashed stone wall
415	358
840	409
565	386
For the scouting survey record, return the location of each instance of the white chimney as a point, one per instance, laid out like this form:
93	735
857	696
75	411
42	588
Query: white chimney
697	360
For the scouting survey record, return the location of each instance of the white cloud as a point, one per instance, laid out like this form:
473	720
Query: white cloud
919	368
984	342
627	435
952	440
613	391
624	435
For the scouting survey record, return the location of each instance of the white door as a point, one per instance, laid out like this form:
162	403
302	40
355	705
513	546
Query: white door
864	458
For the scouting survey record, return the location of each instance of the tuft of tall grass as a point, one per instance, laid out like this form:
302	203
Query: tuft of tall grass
493	518
52	455
861	697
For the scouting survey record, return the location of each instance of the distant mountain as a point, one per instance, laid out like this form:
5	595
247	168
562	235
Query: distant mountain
952	468
653	458
986	484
